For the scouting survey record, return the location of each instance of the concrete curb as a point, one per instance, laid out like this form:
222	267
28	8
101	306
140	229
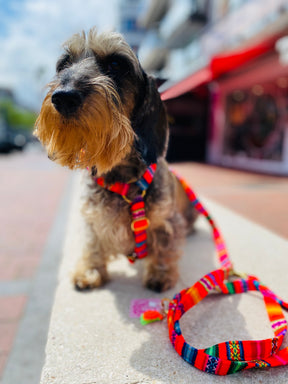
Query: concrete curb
92	339
27	356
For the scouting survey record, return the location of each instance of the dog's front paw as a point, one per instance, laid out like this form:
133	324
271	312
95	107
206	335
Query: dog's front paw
89	278
160	280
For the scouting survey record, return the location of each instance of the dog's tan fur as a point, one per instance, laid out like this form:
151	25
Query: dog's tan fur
101	133
105	134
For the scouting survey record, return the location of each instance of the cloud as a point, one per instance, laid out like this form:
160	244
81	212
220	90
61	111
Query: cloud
31	36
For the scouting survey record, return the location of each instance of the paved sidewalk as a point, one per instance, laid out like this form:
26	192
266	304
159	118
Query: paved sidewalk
93	340
260	198
30	192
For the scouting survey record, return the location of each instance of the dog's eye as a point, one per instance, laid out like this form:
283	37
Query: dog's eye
114	66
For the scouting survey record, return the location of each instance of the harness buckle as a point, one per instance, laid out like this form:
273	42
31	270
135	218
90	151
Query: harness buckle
140	224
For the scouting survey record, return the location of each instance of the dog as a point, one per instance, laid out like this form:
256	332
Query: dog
103	114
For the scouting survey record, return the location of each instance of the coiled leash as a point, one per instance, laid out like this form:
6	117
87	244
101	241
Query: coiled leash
231	356
226	357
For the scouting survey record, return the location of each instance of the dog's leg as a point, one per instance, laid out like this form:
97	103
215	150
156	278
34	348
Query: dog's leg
161	266
91	269
163	275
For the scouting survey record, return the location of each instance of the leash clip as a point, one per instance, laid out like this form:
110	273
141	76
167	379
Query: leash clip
242	275
165	302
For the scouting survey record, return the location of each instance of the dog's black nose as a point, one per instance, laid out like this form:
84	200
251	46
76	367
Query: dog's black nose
67	102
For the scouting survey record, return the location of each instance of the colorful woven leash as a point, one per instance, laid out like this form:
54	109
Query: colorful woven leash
139	222
223	358
231	356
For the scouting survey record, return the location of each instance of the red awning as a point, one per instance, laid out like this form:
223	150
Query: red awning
224	63
203	76
219	65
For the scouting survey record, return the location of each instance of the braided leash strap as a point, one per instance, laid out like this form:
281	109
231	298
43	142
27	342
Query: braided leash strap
231	356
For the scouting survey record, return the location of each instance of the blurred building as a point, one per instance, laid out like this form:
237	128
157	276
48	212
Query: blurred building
6	94
226	88
129	13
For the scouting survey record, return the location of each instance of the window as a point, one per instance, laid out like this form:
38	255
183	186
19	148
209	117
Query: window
256	120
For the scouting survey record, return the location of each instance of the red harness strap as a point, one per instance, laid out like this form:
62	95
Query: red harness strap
139	222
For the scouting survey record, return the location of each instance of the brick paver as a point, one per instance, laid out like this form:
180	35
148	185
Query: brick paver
3	359
30	190
7	334
11	307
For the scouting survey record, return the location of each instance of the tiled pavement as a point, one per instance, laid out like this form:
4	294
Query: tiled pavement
30	191
260	198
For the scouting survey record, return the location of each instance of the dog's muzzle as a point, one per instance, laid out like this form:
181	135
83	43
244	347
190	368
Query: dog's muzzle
67	101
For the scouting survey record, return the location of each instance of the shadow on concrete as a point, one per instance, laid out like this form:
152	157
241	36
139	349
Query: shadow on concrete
216	319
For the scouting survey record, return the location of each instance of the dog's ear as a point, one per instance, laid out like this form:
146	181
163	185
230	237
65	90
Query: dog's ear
149	122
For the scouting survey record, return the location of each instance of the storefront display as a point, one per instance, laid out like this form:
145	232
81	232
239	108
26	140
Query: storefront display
255	121
250	118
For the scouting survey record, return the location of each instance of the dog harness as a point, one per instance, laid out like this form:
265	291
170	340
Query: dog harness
226	357
139	222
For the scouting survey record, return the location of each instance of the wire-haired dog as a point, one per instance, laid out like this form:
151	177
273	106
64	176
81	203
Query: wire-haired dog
103	112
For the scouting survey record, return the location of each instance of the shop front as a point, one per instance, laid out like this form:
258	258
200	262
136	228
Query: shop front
249	117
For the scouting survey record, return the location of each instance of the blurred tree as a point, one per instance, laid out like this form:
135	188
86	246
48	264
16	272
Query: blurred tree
17	117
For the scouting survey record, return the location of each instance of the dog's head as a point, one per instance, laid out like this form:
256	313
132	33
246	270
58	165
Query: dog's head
100	105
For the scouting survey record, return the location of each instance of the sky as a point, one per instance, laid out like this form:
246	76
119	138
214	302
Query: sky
32	33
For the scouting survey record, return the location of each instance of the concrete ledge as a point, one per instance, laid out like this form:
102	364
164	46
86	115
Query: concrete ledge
26	359
93	340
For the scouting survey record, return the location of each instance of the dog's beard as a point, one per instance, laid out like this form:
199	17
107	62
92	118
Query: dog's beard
98	135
